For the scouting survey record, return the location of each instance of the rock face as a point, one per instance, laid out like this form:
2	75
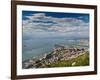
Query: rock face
58	54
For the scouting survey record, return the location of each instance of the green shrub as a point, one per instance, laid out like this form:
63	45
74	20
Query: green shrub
82	60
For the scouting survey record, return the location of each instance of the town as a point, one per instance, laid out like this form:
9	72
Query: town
59	53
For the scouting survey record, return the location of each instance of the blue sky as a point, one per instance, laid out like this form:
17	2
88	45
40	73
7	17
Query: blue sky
55	24
84	17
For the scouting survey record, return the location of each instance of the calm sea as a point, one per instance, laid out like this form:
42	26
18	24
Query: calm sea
38	47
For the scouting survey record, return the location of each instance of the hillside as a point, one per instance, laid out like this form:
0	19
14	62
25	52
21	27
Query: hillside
60	57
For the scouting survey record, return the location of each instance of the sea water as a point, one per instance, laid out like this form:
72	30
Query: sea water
38	47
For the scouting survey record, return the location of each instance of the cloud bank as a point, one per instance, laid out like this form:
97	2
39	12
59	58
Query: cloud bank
41	25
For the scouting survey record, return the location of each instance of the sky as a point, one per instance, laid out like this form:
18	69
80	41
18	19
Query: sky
54	24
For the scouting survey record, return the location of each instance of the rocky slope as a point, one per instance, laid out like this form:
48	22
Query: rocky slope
57	55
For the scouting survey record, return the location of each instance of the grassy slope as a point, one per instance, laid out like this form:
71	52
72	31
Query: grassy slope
82	60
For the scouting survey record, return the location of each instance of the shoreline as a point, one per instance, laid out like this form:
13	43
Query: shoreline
59	53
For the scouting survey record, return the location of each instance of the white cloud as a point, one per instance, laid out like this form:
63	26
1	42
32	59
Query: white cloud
35	16
40	24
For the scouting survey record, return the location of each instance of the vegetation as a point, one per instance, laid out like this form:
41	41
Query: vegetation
82	60
60	57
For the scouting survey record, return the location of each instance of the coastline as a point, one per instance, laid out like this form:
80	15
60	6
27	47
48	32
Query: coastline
59	55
